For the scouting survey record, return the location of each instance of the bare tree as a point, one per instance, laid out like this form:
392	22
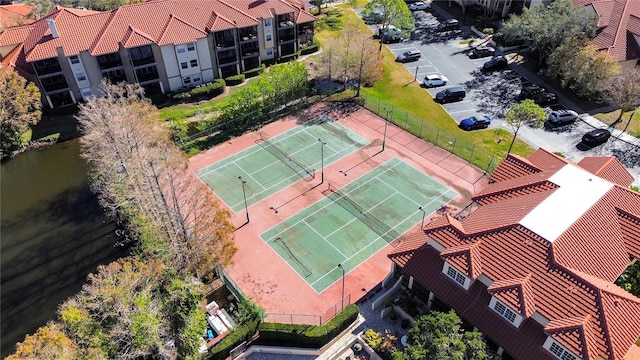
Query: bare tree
141	177
624	91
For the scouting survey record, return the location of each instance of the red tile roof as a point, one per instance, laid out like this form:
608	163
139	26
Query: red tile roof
619	21
568	280
158	21
608	168
15	15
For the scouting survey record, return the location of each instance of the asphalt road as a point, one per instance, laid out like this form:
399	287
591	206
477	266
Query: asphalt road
494	92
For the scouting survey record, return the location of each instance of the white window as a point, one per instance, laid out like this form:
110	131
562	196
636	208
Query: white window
267	22
81	76
194	63
180	49
456	275
86	92
187	79
269	37
504	311
74	59
191	46
559	351
269	52
184	65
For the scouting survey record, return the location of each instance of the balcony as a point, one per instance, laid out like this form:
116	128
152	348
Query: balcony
142	55
54	83
251	50
48	66
225	44
147	74
115	76
286	20
248	34
227	60
109	61
305	30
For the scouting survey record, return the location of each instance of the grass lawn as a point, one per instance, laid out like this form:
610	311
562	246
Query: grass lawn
633	128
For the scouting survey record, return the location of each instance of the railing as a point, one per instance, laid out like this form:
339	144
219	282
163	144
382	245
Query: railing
306	319
435	135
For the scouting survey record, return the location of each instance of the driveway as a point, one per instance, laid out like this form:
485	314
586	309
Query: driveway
494	92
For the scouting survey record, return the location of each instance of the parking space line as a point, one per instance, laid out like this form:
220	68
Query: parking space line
462	111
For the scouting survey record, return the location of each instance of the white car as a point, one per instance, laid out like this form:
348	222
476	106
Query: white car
435	80
420	5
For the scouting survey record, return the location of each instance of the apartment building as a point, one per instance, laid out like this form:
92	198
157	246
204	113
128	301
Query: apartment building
164	45
532	261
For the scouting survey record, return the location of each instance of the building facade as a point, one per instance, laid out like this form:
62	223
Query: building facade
532	261
164	45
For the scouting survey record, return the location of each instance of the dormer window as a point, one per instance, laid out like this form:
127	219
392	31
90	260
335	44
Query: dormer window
505	311
456	276
559	351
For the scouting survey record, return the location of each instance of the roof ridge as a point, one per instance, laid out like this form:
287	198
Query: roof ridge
103	31
179	19
235	8
596	283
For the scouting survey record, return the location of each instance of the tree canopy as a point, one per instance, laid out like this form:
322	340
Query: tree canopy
141	177
391	12
545	27
438	335
581	68
525	112
19	109
624	90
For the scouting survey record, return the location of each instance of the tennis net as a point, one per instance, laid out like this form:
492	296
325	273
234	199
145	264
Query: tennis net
378	226
293	255
281	155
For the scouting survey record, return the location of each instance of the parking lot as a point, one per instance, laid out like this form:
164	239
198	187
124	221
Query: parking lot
492	93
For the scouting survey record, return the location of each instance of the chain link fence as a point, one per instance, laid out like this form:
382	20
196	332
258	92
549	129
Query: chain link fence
305	319
433	134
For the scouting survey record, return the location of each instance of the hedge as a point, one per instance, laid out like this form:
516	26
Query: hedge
309	49
287	58
254	72
213	89
243	332
307	335
235	80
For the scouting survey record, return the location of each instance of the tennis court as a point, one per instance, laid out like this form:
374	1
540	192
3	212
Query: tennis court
276	163
353	223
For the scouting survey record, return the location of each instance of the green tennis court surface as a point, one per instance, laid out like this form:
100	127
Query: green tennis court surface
349	226
274	164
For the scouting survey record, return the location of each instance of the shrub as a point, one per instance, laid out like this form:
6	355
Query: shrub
212	89
182	96
306	335
254	72
288	58
487	31
309	49
235	80
243	332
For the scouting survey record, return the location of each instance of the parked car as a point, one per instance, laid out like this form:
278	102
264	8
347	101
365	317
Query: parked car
374	17
435	80
481	51
390	34
530	90
448	25
420	5
475	122
496	63
545	98
455	93
596	137
559	118
410	55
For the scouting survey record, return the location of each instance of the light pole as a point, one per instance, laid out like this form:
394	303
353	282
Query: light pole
386	122
244	195
322	144
424	213
342	268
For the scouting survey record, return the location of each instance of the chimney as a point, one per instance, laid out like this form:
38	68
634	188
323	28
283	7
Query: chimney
53	28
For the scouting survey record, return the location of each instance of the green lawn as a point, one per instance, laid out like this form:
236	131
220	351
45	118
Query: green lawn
633	128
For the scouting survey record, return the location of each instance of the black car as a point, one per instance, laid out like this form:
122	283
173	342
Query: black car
596	137
496	63
448	25
481	51
545	98
530	90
